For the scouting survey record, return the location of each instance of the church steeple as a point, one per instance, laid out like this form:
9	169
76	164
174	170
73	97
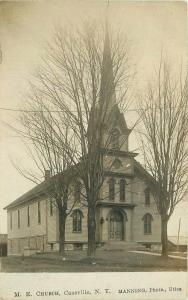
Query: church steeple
107	77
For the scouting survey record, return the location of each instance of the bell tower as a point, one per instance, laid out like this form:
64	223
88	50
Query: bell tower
116	132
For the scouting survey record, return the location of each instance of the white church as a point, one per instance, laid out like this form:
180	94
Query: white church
126	213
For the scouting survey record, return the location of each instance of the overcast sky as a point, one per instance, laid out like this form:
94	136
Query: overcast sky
24	27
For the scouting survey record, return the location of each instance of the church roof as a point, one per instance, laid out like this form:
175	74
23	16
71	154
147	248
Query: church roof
116	118
143	172
35	192
42	188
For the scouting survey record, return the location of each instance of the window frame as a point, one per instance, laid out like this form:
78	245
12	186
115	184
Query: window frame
51	208
111	189
122	199
39	212
147	193
28	216
77	222
18	219
77	191
147	223
11	220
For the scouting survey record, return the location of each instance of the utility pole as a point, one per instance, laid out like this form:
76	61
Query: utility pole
178	234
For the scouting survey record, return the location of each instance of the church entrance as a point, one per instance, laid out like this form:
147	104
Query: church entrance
116	231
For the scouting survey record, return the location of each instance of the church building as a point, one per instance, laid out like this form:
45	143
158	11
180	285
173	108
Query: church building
126	212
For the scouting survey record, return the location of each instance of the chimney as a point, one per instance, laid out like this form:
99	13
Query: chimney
47	174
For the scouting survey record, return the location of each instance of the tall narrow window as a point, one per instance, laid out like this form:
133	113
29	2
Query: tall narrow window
115	138
122	190
18	219
77	220
77	191
147	196
39	213
11	220
111	189
51	207
28	216
147	223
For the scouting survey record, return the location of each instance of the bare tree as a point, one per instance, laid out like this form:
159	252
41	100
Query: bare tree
81	77
164	112
43	149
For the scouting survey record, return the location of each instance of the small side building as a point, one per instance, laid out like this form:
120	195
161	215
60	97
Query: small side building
177	244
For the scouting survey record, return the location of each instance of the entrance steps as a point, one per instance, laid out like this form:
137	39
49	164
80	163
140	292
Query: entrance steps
121	246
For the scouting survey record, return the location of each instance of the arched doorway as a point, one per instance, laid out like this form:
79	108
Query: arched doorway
116	227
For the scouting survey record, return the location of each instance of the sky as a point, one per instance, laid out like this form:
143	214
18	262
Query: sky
25	26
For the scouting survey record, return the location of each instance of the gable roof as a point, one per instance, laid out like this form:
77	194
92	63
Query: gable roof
139	168
44	187
35	192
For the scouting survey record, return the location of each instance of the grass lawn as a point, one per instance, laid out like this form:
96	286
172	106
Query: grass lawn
106	261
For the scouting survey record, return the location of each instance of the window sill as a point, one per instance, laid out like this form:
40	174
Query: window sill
76	231
147	233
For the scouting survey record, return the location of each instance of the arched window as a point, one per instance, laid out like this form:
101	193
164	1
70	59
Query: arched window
77	220
115	138
147	196
77	191
147	218
122	189
111	189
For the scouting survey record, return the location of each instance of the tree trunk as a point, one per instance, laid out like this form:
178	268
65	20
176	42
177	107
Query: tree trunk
164	236
91	231
62	220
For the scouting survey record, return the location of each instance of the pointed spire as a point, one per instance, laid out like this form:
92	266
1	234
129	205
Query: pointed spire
107	78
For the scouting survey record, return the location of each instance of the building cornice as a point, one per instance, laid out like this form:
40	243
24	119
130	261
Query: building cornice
113	152
118	174
115	204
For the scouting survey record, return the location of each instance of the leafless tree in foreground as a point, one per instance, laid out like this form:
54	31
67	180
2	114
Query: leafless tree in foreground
82	75
164	112
42	148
